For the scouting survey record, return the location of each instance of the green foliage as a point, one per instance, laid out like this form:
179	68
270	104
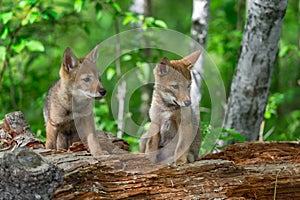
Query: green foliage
131	18
227	135
102	117
273	102
230	135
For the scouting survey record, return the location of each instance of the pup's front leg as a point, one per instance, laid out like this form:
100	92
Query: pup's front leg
152	142
86	130
51	137
185	137
94	145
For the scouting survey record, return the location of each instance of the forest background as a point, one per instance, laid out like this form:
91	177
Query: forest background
34	34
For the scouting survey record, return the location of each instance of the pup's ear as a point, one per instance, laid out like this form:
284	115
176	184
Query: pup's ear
69	60
192	58
93	55
163	67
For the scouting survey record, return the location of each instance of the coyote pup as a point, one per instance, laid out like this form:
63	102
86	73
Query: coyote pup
174	135
68	108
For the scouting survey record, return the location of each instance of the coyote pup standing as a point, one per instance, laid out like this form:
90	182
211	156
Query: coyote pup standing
173	135
68	105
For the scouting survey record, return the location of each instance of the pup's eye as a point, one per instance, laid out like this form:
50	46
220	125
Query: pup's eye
175	86
87	79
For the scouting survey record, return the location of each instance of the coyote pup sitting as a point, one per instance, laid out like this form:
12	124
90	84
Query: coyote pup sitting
69	103
173	135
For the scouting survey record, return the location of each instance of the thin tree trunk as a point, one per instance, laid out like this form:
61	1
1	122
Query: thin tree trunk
199	33
122	87
240	14
251	82
143	7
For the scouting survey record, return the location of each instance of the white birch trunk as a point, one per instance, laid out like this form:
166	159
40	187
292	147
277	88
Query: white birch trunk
251	82
199	33
141	7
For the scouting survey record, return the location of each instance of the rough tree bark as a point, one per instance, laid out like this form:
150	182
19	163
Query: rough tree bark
241	171
251	82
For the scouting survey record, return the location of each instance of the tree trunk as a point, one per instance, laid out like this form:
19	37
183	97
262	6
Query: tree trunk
199	33
143	7
251	82
241	171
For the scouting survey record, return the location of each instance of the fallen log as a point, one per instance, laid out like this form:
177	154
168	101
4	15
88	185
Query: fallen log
241	171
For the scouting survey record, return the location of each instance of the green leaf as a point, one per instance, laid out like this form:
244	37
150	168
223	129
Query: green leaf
35	45
140	18
128	19
31	2
117	7
267	115
19	46
32	17
144	26
283	51
2	53
22	4
78	5
236	135
98	8
4	33
160	23
149	20
110	73
5	17
51	14
126	57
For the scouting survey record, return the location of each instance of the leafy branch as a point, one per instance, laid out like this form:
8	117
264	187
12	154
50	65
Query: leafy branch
13	37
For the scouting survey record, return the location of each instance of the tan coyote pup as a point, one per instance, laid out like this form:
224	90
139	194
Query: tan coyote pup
174	135
68	108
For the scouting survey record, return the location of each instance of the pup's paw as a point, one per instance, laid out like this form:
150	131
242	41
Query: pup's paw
152	157
105	153
181	161
191	158
117	150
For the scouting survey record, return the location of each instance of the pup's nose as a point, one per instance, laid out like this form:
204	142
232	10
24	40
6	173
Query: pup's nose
187	102
102	91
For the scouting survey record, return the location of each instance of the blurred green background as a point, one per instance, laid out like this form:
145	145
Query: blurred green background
34	34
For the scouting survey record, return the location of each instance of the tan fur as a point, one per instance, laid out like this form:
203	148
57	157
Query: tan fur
173	135
68	108
182	66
